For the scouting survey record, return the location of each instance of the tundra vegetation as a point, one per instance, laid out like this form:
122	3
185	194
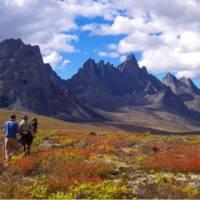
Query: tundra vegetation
77	161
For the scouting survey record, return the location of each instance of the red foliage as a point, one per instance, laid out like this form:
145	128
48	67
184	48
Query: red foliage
25	165
84	169
62	183
67	174
178	158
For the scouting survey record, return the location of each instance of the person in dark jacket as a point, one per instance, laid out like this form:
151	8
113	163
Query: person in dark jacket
34	125
11	130
26	133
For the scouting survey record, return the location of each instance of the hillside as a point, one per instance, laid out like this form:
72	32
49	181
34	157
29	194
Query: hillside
76	161
28	84
128	94
125	95
185	89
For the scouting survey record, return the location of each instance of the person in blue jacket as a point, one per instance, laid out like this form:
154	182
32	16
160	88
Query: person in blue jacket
11	131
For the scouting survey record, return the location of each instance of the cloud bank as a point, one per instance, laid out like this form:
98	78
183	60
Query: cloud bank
48	23
166	33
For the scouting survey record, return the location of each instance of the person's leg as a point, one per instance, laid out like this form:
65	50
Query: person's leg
14	146
29	142
28	149
23	142
7	148
26	138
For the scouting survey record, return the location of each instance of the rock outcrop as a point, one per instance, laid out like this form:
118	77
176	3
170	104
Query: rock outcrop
27	83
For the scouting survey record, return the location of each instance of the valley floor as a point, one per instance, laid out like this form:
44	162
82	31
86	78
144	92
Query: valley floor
101	162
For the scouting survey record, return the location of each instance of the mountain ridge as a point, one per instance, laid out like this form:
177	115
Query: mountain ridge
185	89
27	83
126	80
98	91
126	87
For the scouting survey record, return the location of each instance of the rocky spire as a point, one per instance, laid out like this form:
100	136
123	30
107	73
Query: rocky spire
169	80
130	65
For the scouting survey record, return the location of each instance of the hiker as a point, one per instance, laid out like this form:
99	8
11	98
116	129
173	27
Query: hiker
11	130
34	125
26	134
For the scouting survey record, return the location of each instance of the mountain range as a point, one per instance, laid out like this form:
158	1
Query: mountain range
28	84
126	94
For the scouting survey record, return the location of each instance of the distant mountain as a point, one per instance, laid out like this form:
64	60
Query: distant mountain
181	86
185	89
26	83
107	87
124	94
129	94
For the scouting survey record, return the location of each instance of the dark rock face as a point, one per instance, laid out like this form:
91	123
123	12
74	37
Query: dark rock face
182	85
26	83
106	87
166	100
185	89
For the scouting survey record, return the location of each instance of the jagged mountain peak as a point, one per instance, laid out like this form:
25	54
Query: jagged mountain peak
130	65
101	62
131	57
105	86
89	62
27	83
170	80
144	68
12	42
170	75
186	81
184	88
20	52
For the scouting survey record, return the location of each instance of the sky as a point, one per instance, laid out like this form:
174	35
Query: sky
163	34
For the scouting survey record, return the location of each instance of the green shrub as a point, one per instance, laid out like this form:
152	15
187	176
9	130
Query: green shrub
68	142
38	190
104	190
60	195
167	187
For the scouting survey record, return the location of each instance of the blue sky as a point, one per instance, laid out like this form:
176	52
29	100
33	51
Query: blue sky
164	35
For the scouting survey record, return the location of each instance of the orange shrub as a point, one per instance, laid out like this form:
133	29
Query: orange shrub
179	158
62	183
24	165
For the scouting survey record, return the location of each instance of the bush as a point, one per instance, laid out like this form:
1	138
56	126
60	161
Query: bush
60	195
104	190
38	190
167	187
68	142
24	165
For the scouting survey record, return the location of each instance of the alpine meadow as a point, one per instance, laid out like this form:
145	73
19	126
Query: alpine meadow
99	99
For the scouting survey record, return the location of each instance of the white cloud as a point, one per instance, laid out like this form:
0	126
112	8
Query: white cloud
166	32
190	41
189	73
48	23
52	25
59	43
123	58
54	59
139	41
112	54
112	46
166	59
65	62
